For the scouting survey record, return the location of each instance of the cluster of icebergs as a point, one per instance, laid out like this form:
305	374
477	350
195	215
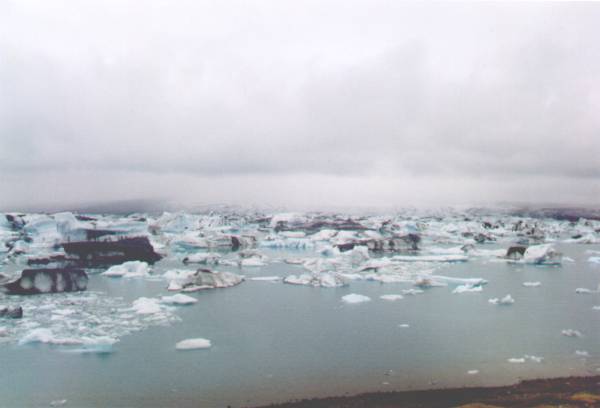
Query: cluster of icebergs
222	250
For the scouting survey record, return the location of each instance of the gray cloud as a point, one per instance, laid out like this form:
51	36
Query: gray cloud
367	95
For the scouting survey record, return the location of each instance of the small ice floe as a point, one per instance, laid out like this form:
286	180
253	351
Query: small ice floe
430	258
354	298
146	305
534	359
516	360
193	344
207	279
596	307
294	261
473	372
204	258
525	358
130	269
542	255
582	353
412	292
324	279
571	333
467	289
505	301
585	291
178	299
568	259
532	284
459	281
44	335
594	259
58	403
404	325
266	278
391	297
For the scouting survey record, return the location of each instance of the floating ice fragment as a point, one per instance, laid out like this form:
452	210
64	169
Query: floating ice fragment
532	284
193	344
430	258
58	403
473	372
178	299
542	255
404	325
467	289
354	298
146	305
516	360
130	269
391	297
412	291
571	333
505	301
534	359
266	278
582	353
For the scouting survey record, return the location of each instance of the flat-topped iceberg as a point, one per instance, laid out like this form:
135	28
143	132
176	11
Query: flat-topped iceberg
354	298
130	269
193	344
323	279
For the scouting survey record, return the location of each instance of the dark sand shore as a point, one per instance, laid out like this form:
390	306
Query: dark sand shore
563	392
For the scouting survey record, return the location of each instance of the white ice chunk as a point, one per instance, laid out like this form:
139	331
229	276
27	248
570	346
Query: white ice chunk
266	278
391	297
193	344
146	305
430	258
354	298
473	372
467	289
516	360
178	299
582	353
571	333
130	269
505	301
542	255
532	284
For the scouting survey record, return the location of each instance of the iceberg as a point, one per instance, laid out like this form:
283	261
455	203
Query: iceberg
391	297
130	269
193	344
571	333
467	289
178	299
430	258
202	258
146	305
505	301
354	298
542	255
324	279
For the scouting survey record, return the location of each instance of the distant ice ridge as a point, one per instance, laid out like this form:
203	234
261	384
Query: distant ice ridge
80	322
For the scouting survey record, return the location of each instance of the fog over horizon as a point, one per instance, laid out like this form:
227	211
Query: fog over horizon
299	104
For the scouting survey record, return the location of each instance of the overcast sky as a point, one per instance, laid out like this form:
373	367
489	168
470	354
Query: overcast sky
299	103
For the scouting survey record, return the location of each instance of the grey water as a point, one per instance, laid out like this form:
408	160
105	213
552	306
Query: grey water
273	342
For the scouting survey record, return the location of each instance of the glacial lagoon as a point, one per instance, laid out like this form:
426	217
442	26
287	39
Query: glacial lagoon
274	342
